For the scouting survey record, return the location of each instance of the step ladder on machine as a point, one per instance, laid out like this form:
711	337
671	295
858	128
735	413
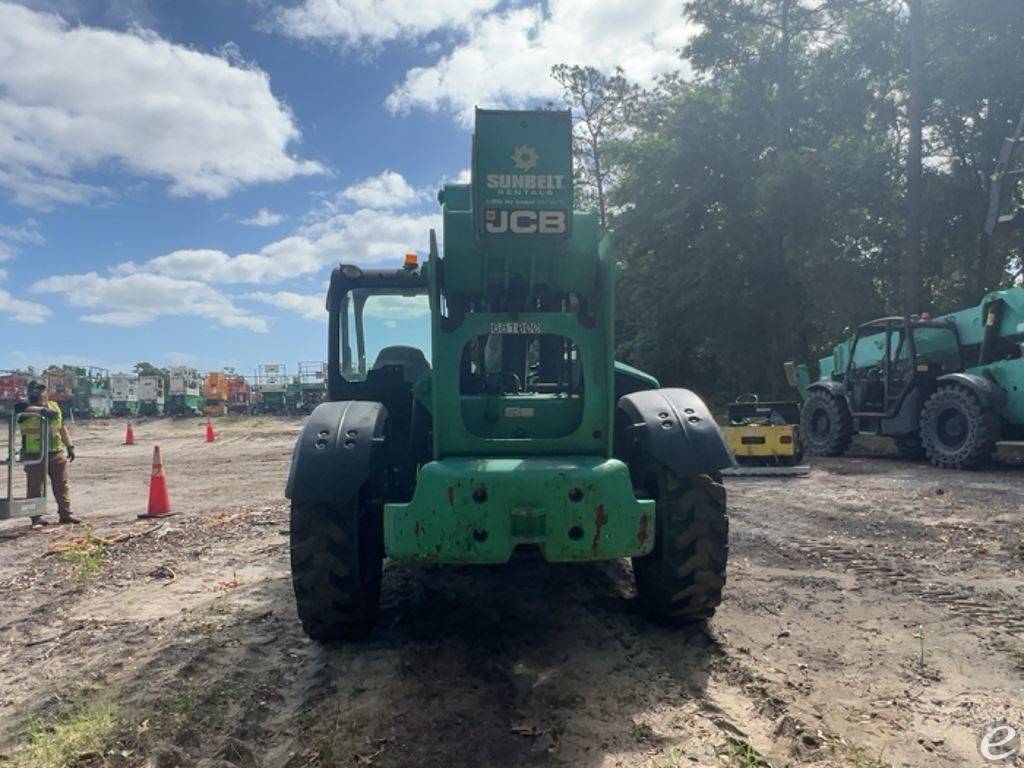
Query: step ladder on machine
11	506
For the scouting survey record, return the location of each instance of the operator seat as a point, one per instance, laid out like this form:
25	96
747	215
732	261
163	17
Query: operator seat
411	359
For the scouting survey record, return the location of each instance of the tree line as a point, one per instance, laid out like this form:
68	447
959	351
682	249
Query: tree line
816	164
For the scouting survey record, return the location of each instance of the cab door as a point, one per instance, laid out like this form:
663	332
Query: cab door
881	367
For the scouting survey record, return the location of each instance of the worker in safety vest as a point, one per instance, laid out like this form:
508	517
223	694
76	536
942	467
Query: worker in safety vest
31	417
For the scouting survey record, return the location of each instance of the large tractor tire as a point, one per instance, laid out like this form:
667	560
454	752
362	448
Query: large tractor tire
826	424
956	431
682	578
337	560
910	446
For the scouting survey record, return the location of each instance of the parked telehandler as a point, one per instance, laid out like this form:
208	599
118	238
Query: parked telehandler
521	432
949	388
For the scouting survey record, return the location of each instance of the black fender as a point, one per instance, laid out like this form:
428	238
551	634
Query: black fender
333	456
834	388
988	392
675	428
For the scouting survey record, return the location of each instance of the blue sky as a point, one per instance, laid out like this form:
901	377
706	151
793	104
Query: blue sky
178	177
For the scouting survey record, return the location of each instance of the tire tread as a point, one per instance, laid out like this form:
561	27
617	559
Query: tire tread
325	561
682	579
985	426
839	437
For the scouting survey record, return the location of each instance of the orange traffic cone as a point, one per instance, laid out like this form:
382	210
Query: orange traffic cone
129	435
159	503
210	437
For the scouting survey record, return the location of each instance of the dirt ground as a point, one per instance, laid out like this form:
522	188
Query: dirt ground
874	616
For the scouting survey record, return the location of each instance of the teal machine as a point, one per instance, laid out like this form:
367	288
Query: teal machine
521	433
949	388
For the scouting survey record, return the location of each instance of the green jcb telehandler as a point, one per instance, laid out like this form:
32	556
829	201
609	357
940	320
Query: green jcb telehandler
521	432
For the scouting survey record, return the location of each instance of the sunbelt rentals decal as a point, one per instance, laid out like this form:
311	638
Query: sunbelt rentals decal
527	189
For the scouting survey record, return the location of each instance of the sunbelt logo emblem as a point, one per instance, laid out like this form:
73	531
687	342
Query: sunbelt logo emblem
525	158
525	184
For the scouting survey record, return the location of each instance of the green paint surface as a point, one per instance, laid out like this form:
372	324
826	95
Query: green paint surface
476	510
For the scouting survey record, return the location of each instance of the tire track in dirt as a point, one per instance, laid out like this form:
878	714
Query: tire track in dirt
526	664
994	610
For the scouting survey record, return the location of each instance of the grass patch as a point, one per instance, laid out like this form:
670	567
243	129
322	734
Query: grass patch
674	758
641	731
86	737
741	754
87	556
858	760
192	707
326	756
846	754
97	733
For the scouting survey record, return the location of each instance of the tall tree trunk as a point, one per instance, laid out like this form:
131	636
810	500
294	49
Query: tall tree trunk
784	117
599	184
777	282
915	109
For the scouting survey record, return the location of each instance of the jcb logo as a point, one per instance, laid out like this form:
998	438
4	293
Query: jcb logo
529	222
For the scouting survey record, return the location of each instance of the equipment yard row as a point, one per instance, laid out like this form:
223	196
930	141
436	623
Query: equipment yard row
90	392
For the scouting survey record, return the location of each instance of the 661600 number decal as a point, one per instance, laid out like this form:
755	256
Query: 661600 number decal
510	327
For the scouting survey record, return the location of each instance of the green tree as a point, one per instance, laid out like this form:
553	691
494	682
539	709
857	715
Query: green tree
762	204
600	105
745	205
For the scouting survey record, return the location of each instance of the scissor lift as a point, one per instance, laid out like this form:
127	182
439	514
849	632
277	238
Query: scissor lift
11	506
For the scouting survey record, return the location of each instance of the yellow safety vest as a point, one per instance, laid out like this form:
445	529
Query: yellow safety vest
31	431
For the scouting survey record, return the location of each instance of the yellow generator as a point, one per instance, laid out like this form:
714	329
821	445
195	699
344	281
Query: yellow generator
764	435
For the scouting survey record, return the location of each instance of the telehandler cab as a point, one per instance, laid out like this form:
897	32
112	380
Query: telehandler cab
521	432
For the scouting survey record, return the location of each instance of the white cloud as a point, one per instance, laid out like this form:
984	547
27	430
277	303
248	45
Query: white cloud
26	232
122	319
130	300
391	308
373	22
263	218
385	190
112	12
312	307
76	99
362	237
22	311
506	60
